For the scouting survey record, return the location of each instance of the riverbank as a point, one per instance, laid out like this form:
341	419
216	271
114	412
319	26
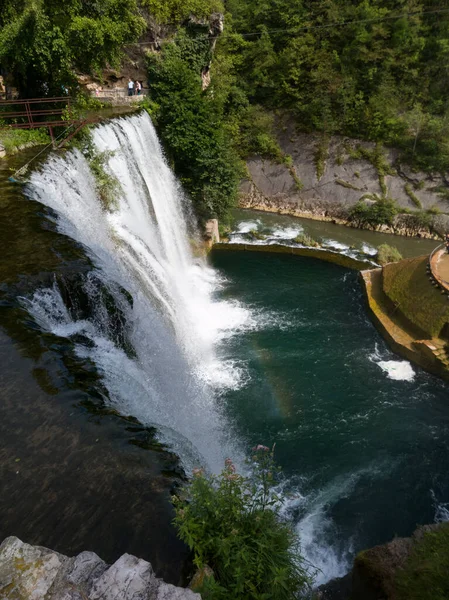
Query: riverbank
325	182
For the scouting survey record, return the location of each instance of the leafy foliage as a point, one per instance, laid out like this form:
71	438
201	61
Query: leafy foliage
387	254
13	139
232	523
190	122
349	67
106	184
42	42
374	213
176	11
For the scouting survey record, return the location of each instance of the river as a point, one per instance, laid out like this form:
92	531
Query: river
121	350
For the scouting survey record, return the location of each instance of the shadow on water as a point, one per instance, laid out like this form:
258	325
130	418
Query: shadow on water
75	474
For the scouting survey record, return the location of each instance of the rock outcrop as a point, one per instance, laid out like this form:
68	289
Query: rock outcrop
36	573
411	568
324	182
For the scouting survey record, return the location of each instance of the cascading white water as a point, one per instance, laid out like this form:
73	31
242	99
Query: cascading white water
142	246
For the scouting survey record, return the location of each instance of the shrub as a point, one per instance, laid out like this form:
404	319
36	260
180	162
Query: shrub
232	523
306	240
106	184
380	212
387	254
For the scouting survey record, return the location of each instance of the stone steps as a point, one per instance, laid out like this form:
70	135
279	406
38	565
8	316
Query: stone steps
36	573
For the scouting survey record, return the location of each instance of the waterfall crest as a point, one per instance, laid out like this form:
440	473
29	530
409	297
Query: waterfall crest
141	249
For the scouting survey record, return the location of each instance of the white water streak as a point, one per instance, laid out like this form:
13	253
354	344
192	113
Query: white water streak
142	245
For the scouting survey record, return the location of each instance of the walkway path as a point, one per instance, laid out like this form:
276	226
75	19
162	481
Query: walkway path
440	267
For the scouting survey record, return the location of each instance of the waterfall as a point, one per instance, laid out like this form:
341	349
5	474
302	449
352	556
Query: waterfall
141	255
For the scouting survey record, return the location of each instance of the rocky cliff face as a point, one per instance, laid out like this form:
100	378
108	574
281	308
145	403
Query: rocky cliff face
414	568
323	178
35	573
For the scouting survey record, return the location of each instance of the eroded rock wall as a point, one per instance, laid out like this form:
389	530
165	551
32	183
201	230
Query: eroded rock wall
326	188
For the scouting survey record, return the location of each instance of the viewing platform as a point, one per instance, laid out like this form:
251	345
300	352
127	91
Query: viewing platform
439	267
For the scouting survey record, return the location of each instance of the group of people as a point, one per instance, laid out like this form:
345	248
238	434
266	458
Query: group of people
134	87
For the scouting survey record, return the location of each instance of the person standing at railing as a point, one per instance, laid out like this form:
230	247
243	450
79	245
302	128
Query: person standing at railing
130	87
138	87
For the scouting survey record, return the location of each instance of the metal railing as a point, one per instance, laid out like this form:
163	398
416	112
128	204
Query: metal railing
36	112
118	93
441	282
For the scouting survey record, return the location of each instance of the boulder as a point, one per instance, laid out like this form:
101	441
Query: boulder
36	573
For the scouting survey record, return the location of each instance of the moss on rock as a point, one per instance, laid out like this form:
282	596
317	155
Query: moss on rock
407	285
413	568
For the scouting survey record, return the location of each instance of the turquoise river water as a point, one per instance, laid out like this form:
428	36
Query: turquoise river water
361	435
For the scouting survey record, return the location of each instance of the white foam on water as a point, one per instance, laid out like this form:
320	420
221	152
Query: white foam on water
441	509
247	226
369	250
399	370
335	245
321	543
286	233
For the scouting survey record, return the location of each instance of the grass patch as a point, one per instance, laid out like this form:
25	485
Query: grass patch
407	284
13	139
408	190
346	184
425	574
321	155
378	159
387	254
306	240
107	185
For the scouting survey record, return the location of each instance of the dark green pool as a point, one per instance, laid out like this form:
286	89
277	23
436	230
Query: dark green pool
366	456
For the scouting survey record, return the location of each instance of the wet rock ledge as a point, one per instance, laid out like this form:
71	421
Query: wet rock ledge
36	573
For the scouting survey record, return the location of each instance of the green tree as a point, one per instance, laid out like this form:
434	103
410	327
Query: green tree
191	127
42	42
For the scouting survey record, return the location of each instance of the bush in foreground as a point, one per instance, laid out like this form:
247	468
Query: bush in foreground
387	254
232	523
